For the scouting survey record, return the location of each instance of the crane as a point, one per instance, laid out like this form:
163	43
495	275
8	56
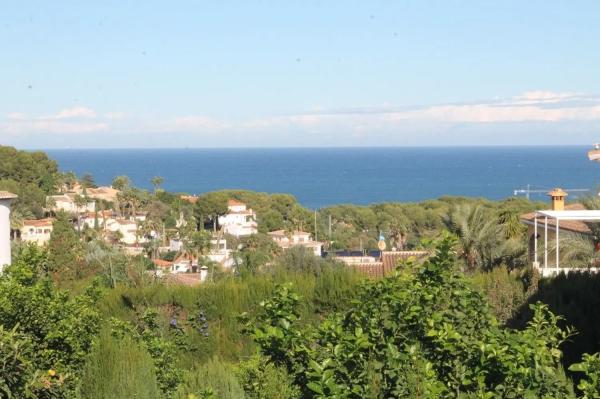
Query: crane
528	191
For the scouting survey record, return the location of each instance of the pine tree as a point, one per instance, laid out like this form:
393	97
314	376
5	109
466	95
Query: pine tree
65	251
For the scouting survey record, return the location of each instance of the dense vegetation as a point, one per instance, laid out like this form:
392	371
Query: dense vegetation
80	319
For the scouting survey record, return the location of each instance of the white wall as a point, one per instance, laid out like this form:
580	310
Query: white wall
4	233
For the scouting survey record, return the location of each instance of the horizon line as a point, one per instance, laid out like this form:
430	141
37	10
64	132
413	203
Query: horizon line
311	147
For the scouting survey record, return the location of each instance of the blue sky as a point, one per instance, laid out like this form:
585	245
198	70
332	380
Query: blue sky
305	73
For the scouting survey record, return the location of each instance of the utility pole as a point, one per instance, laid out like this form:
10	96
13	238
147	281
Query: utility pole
330	226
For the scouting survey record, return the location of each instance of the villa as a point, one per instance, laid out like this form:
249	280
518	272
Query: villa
296	239
218	253
239	221
544	228
66	202
128	230
37	231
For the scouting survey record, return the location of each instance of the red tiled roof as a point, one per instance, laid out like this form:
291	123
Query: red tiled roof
388	263
233	202
39	222
390	259
162	263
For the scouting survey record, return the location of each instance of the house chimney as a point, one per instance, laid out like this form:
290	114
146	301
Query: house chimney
558	199
5	201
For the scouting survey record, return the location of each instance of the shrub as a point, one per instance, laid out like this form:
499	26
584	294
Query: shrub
119	368
213	376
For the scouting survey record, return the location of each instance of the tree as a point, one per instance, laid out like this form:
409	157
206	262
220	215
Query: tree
87	181
50	333
121	182
65	252
81	203
424	332
478	235
196	243
210	206
156	182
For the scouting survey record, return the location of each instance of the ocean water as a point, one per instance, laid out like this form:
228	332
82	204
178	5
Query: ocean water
327	176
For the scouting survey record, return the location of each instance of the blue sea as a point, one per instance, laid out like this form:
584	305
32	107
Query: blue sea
327	176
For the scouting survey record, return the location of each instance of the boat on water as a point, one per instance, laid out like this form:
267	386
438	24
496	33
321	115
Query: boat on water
594	155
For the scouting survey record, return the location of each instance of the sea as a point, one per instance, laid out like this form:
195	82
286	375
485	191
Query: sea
319	177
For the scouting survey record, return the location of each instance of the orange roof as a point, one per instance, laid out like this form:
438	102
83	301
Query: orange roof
390	259
233	202
39	222
162	263
277	233
189	198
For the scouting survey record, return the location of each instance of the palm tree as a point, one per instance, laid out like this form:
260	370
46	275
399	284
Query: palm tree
577	250
478	235
398	234
80	202
17	217
156	182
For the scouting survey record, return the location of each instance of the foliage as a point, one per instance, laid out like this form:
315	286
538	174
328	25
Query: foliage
423	332
213	376
589	386
51	333
261	379
161	350
30	175
505	291
65	250
118	368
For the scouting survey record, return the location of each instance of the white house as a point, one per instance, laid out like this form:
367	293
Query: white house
239	221
102	217
218	251
66	202
296	238
37	231
5	200
128	230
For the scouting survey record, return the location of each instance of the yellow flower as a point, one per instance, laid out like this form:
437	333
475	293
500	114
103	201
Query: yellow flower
51	373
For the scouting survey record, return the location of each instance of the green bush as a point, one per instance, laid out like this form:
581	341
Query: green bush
424	332
263	380
119	368
213	376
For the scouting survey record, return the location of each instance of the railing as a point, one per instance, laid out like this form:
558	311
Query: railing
552	271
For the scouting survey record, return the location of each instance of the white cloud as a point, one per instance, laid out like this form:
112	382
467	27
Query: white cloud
556	111
72	120
76	112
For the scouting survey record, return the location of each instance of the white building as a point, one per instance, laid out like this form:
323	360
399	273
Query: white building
219	252
89	219
5	200
296	238
239	220
37	231
128	230
66	202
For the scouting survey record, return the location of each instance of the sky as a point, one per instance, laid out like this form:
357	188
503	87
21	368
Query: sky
109	74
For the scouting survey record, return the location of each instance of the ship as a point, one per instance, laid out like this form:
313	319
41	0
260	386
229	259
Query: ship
594	155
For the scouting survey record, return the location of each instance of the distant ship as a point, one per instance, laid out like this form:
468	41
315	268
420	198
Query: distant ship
594	155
